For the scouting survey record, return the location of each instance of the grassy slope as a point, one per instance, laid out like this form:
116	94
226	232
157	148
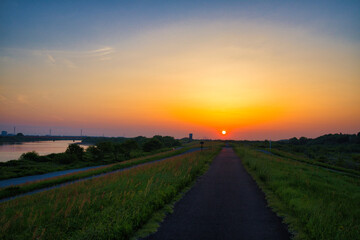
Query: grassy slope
307	160
27	187
316	203
22	168
108	207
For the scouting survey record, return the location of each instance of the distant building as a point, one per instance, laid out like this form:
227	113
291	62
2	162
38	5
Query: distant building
190	137
4	133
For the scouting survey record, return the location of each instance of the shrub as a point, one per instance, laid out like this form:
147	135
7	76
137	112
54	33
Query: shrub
75	149
31	156
65	158
151	145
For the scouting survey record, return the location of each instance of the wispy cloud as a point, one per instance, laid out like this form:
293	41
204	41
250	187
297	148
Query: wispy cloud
66	58
51	58
102	51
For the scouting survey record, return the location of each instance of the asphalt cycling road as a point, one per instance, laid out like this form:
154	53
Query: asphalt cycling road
225	203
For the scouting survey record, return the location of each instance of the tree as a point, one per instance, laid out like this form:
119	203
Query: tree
294	141
130	145
151	145
32	156
76	150
105	147
20	134
303	140
170	141
95	152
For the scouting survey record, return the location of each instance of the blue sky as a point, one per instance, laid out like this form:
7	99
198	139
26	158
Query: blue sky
74	24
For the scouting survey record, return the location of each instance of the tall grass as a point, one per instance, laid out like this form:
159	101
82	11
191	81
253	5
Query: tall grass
316	203
28	187
295	157
113	206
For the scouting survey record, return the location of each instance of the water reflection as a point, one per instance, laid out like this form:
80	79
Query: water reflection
14	151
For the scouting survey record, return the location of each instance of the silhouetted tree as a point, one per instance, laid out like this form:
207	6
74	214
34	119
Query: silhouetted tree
32	156
76	150
105	147
95	152
151	145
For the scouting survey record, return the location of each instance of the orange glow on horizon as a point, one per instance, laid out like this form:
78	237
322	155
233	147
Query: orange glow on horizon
201	81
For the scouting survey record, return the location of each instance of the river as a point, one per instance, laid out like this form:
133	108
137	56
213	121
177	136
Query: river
14	151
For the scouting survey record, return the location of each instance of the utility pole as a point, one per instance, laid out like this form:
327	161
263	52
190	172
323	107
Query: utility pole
81	133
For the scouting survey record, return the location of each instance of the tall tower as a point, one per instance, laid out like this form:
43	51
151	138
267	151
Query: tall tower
190	137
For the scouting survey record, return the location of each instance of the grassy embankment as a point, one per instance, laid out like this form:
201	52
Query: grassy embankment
313	162
20	168
315	203
109	207
107	151
28	187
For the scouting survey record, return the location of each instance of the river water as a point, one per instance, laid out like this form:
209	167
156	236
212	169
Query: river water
14	151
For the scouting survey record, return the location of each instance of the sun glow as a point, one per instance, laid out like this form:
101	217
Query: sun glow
223	132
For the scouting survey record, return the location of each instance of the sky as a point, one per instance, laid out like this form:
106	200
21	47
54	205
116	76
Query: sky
257	69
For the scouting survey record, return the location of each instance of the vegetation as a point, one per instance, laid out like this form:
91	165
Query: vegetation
331	150
28	187
109	207
315	202
76	157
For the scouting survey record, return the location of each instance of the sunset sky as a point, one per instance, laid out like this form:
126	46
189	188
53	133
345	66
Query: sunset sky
257	69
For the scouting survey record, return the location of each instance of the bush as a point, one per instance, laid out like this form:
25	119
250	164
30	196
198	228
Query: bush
75	149
151	145
65	158
31	156
94	152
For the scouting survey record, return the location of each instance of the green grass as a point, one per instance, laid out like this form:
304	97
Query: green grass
114	206
28	187
315	203
313	162
23	167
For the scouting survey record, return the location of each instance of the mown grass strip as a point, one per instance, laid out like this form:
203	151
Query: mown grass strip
315	203
113	206
28	187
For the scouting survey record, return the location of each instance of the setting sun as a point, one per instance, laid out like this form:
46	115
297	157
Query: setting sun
223	132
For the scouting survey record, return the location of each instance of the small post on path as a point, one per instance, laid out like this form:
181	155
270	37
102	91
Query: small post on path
201	144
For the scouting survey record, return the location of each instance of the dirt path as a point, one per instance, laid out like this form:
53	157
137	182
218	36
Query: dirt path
225	203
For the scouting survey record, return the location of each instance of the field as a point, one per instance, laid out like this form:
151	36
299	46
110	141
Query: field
108	207
315	202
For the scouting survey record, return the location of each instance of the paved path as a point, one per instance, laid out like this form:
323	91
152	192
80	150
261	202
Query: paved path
225	203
